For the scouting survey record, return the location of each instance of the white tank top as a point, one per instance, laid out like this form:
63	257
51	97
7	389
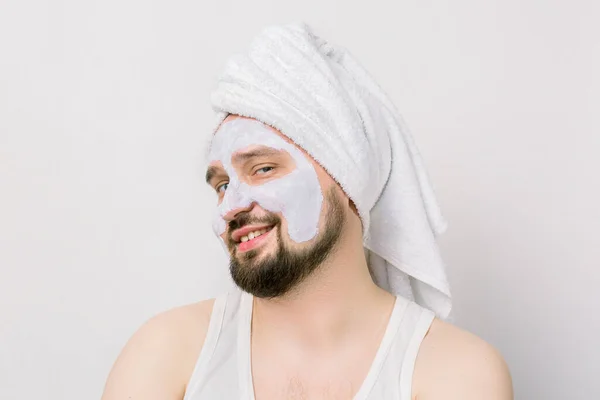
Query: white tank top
223	370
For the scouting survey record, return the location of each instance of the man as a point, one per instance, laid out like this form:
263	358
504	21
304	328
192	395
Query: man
321	309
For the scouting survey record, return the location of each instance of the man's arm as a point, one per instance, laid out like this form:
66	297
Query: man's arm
157	362
454	364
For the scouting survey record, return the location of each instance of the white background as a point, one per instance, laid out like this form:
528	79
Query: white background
104	216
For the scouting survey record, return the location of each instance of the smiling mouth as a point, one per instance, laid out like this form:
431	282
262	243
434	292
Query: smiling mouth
253	239
255	234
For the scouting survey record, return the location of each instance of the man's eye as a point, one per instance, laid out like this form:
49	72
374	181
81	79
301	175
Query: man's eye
223	186
264	170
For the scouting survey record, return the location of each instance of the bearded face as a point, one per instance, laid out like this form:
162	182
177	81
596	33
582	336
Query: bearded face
271	216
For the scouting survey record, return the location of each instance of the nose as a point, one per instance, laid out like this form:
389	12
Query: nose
232	213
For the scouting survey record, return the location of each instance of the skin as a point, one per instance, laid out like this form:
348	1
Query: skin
328	329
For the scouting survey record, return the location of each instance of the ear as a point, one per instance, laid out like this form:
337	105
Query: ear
343	195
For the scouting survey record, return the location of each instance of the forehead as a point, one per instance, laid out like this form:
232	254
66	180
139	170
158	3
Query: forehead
247	135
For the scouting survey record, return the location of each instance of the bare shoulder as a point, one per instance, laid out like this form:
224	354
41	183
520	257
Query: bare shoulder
455	364
159	358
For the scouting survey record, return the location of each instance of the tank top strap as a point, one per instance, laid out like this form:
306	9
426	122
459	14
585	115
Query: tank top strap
394	375
417	321
384	349
224	312
244	334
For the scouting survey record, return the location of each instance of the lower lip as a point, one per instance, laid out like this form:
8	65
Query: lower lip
253	243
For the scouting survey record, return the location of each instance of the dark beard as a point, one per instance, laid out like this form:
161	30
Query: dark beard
276	274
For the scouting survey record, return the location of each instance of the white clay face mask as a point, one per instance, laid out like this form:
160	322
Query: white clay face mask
296	195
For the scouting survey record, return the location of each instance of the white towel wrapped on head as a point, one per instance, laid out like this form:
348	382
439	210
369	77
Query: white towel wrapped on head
319	96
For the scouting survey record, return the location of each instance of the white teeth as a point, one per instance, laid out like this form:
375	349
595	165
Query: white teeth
253	235
258	233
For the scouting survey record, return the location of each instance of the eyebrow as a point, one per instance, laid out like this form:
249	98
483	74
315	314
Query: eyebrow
262	152
211	172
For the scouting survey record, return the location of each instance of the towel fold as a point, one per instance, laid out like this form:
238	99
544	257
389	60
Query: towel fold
319	96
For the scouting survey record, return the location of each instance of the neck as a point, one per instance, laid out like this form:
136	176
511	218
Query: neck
337	300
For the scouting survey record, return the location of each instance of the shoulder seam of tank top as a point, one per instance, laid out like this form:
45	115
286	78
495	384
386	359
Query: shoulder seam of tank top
424	321
210	342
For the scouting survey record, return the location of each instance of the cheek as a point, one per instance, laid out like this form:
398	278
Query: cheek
218	223
298	198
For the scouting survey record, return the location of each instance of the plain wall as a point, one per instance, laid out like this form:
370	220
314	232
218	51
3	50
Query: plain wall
105	218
